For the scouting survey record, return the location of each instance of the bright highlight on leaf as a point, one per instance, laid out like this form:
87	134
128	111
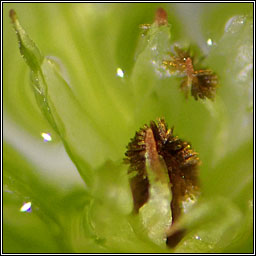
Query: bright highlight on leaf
26	207
209	42
46	136
120	72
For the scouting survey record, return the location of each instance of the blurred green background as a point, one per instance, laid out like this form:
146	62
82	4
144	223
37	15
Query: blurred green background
97	112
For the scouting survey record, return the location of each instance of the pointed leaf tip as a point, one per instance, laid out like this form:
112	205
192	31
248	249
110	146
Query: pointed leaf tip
28	49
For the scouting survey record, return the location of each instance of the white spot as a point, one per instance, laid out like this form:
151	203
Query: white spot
209	42
153	48
26	207
46	136
197	237
119	72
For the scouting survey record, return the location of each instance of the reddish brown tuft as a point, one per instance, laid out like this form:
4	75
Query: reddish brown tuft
13	15
161	17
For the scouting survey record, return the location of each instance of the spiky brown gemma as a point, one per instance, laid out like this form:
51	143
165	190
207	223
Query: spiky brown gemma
135	157
177	64
181	161
202	83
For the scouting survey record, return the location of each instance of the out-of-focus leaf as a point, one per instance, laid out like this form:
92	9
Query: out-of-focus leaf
212	224
104	224
49	214
22	184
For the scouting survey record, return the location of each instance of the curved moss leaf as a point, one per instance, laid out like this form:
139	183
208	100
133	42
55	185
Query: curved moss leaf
60	107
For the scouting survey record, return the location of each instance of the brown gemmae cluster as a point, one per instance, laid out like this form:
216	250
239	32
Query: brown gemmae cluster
180	160
203	83
154	146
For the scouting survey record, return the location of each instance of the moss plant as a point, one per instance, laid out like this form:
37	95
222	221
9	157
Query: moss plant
92	78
